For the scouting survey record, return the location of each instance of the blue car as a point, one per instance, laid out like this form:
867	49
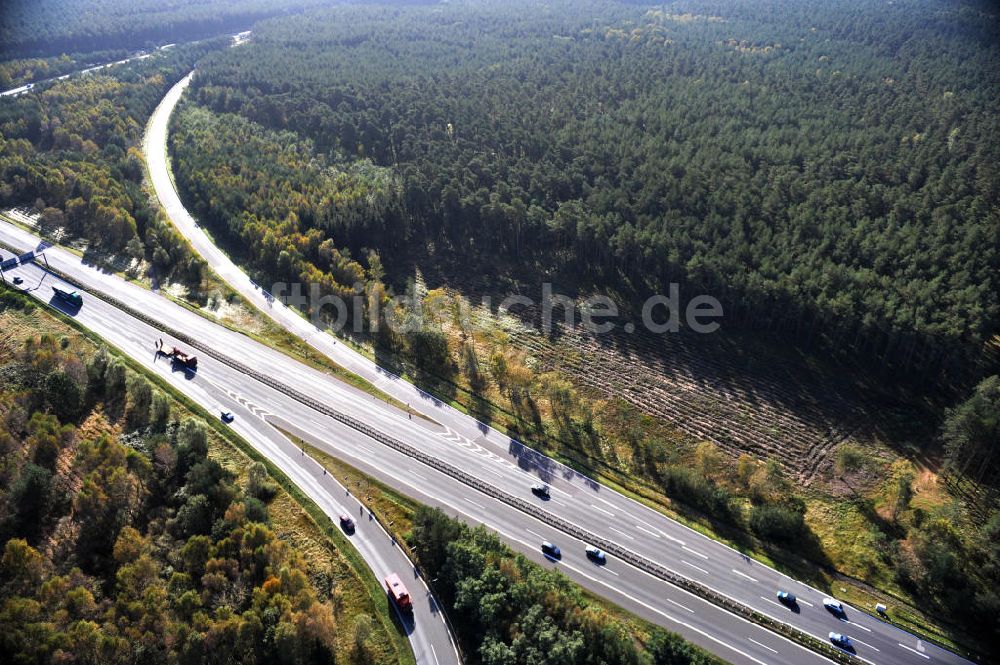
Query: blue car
842	641
786	598
835	607
551	550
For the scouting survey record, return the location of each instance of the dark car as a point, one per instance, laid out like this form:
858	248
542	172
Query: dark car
787	598
347	523
540	489
596	555
551	550
228	417
18	280
834	607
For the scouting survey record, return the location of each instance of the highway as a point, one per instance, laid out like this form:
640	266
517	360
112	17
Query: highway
513	466
426	630
14	92
509	467
218	387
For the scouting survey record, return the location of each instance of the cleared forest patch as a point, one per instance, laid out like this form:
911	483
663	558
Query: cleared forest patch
742	393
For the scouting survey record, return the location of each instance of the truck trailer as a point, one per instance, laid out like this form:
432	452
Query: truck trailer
180	357
397	591
71	297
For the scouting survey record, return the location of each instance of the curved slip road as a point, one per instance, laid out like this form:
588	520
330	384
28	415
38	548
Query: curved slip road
576	497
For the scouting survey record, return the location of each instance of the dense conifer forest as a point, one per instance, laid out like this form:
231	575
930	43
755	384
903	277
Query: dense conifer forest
54	27
827	170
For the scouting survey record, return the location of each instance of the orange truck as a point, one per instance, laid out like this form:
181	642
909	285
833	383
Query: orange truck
398	591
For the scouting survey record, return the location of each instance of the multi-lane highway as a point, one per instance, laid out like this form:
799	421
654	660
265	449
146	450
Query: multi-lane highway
218	387
426	630
576	497
14	92
505	465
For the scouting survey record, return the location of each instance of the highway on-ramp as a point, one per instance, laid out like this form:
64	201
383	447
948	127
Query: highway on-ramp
576	498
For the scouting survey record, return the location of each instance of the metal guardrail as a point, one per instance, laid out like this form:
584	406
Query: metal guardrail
642	563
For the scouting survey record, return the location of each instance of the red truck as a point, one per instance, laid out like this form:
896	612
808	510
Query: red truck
191	362
398	591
